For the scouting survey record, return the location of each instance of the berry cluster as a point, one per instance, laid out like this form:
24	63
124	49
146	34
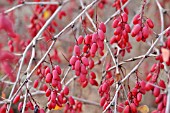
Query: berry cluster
82	61
141	28
121	36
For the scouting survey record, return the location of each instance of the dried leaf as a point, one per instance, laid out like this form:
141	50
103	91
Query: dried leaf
57	107
46	14
143	109
165	54
3	95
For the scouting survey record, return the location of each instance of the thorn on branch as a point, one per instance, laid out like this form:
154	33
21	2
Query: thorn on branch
60	3
157	36
119	83
33	46
72	26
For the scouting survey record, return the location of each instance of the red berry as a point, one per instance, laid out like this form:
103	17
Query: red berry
93	82
127	28
88	39
93	75
125	17
135	30
66	90
139	97
77	50
160	106
47	70
57	67
117	30
94	37
127	109
145	32
156	91
48	78
85	61
102	101
80	39
158	99
45	87
133	108
53	96
104	86
101	34
120	107
35	83
71	100
73	60
115	23
16	99
77	65
150	23
162	84
136	19
48	92
102	27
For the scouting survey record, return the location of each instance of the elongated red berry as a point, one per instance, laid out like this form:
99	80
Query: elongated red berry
125	17
127	28
77	50
117	30
80	39
85	61
48	92
93	82
88	39
120	107
48	78
135	30
158	99
77	65
93	48
92	75
73	60
150	23
102	27
71	100
139	97
156	91
66	90
136	19
145	32
35	83
47	70
94	37
104	86
45	87
115	23
16	99
56	75
133	108
57	67
102	101
53	96
127	109
101	34
162	84
91	63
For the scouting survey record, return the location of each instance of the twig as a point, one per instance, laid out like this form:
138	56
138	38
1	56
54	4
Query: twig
146	55
116	93
162	19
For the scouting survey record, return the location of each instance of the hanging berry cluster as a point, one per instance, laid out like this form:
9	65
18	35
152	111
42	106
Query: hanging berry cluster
81	61
141	28
121	36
